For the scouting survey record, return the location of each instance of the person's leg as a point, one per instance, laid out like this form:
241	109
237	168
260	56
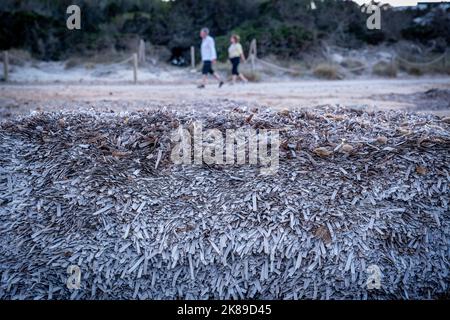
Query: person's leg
217	76
233	78
219	79
203	82
206	69
234	70
243	78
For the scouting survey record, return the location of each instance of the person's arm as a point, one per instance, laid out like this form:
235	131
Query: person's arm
213	51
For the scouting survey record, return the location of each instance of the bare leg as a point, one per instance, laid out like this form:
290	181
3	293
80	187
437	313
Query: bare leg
243	78
234	78
217	76
203	83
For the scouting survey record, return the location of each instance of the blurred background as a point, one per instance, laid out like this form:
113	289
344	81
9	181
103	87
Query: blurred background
300	34
295	50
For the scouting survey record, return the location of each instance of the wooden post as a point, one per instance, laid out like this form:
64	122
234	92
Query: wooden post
393	62
192	57
252	60
253	54
135	67
5	65
141	51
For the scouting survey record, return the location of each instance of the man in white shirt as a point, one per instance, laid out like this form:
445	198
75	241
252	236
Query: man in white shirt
209	57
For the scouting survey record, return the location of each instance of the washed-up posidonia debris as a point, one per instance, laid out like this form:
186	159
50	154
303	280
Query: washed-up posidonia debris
98	190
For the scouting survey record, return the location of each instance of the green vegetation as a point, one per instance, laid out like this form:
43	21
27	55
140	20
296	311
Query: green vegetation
282	28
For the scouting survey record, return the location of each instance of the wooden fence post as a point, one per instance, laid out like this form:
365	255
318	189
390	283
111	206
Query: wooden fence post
141	51
5	65
393	64
135	67
252	60
252	54
192	57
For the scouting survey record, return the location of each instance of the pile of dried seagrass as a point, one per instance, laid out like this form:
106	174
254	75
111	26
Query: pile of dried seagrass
98	190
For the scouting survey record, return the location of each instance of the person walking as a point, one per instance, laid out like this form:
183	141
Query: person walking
209	57
235	54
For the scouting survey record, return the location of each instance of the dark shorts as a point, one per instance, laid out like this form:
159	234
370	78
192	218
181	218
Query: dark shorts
235	64
207	68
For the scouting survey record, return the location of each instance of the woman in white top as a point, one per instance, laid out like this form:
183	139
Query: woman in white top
235	53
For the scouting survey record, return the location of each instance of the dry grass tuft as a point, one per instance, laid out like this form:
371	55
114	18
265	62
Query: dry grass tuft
385	69
353	65
252	76
326	71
